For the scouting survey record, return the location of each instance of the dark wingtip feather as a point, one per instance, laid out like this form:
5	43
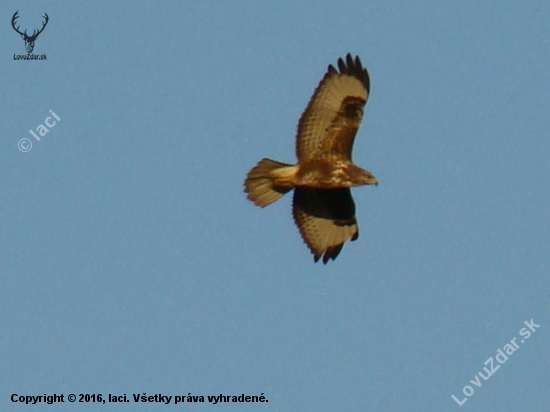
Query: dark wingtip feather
353	67
341	66
332	252
349	60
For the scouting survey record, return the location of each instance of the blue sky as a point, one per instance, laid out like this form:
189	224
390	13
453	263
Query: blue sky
131	261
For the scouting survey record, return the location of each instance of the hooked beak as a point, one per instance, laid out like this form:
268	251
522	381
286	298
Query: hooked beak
373	181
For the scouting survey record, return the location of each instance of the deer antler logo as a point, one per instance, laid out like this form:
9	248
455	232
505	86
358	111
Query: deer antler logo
29	40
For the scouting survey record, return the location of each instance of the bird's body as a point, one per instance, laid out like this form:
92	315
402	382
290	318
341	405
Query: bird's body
323	208
322	173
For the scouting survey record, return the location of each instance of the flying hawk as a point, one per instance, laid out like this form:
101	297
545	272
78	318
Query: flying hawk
323	208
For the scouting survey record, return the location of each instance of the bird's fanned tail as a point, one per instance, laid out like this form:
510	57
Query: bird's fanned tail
268	181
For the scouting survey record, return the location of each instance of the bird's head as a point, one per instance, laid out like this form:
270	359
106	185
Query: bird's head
366	178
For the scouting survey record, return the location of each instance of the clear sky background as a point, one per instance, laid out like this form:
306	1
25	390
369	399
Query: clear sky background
131	261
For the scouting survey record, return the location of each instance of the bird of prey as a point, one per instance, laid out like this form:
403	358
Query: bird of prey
322	207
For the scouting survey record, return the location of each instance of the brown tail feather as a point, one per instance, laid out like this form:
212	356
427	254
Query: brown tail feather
268	181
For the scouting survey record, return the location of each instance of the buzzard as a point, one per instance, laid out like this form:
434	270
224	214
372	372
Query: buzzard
322	207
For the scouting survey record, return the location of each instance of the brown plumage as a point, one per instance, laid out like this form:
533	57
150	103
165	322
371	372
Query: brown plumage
323	208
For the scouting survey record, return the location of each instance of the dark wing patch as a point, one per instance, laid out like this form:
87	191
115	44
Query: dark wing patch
341	92
326	220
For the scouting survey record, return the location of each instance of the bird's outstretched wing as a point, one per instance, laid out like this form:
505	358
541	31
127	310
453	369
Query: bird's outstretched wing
326	220
334	112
